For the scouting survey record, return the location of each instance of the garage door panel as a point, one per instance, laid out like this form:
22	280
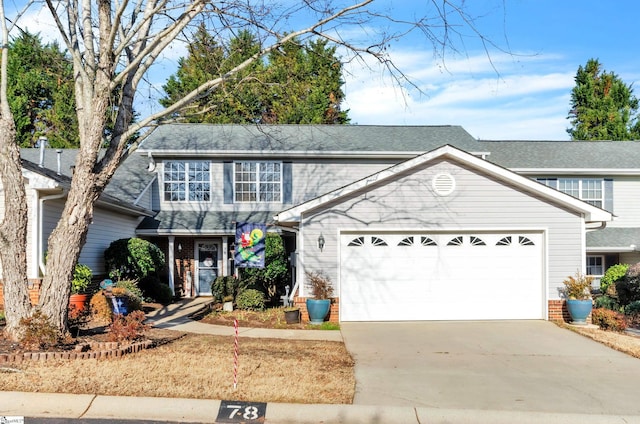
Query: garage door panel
395	281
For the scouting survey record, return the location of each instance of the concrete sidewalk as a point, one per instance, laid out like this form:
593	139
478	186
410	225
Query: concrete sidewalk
54	405
176	316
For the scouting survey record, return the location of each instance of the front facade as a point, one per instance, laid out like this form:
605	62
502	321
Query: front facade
410	223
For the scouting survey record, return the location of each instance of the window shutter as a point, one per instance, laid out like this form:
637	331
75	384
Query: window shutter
287	182
228	182
608	195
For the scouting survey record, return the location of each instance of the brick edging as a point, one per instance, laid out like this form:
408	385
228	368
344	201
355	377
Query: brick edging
101	350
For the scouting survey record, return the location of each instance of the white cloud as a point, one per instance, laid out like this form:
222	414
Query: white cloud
523	99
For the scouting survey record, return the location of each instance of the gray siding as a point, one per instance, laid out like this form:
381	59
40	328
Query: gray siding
626	202
409	203
106	227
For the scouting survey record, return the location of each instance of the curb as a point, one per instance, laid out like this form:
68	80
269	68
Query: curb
57	405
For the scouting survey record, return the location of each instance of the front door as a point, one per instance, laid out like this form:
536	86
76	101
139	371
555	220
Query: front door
207	257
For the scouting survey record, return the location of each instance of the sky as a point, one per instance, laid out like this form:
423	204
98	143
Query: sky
517	86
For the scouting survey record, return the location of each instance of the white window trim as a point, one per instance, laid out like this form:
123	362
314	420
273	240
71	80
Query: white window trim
186	182
555	183
602	259
257	182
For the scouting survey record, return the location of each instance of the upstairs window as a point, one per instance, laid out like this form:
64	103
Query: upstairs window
258	182
186	181
591	190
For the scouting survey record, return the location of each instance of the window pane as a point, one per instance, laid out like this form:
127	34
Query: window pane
258	181
570	186
187	181
595	265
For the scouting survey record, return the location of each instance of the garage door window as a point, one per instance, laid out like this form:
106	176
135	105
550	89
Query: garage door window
427	241
377	241
525	241
357	242
457	241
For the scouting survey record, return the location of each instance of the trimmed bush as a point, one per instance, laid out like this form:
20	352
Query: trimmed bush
228	286
608	320
633	309
154	290
611	275
250	299
133	259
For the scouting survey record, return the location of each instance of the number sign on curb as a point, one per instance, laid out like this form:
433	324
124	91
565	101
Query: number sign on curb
232	411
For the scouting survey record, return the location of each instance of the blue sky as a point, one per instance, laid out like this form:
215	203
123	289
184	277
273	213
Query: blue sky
527	95
524	94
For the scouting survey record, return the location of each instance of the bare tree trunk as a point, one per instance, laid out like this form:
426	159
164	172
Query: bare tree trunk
13	233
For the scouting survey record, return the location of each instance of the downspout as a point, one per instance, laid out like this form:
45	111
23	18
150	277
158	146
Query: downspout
41	201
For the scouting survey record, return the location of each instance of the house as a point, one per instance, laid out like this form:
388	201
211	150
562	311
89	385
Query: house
409	222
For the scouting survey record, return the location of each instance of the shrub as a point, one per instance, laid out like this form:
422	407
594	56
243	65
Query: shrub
250	299
578	287
127	328
155	290
133	259
628	287
607	302
161	293
227	286
101	308
321	287
633	308
82	276
38	332
608	320
611	275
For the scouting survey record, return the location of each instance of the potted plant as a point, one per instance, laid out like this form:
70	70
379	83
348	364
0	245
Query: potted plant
321	290
292	314
577	290
227	303
82	276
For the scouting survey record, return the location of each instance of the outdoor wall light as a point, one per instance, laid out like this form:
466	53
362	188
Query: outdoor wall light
179	247
321	242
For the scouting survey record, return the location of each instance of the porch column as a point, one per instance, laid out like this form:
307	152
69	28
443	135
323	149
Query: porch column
172	260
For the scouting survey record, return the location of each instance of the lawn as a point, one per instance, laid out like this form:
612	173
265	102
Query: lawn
198	366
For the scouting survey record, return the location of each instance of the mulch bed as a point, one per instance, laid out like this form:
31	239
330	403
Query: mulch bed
91	341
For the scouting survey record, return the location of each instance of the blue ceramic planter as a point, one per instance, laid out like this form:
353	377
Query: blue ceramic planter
579	310
318	310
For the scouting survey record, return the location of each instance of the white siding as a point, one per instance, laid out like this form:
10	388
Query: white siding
477	203
626	202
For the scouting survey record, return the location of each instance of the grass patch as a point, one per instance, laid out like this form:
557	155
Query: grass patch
622	342
201	367
268	318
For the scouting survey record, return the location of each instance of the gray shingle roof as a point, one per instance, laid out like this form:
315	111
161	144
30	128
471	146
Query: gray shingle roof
616	237
201	138
126	185
206	221
128	182
555	154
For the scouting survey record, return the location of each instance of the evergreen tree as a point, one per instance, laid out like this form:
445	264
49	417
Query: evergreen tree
294	84
603	107
40	92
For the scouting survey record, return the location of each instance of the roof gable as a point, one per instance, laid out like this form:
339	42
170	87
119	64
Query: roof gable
591	213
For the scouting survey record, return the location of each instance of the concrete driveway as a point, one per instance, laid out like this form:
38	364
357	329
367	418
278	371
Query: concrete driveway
502	365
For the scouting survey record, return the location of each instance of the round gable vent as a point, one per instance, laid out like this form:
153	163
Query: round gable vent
443	184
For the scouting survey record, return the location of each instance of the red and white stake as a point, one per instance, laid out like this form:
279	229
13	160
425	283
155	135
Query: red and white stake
235	356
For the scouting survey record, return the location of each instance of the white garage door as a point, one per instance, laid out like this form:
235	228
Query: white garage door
399	277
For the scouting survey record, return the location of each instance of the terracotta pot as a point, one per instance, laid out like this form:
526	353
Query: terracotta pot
79	302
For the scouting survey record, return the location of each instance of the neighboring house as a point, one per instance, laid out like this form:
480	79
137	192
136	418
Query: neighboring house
47	180
410	223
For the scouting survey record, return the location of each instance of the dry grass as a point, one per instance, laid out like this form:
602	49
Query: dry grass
622	342
198	366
